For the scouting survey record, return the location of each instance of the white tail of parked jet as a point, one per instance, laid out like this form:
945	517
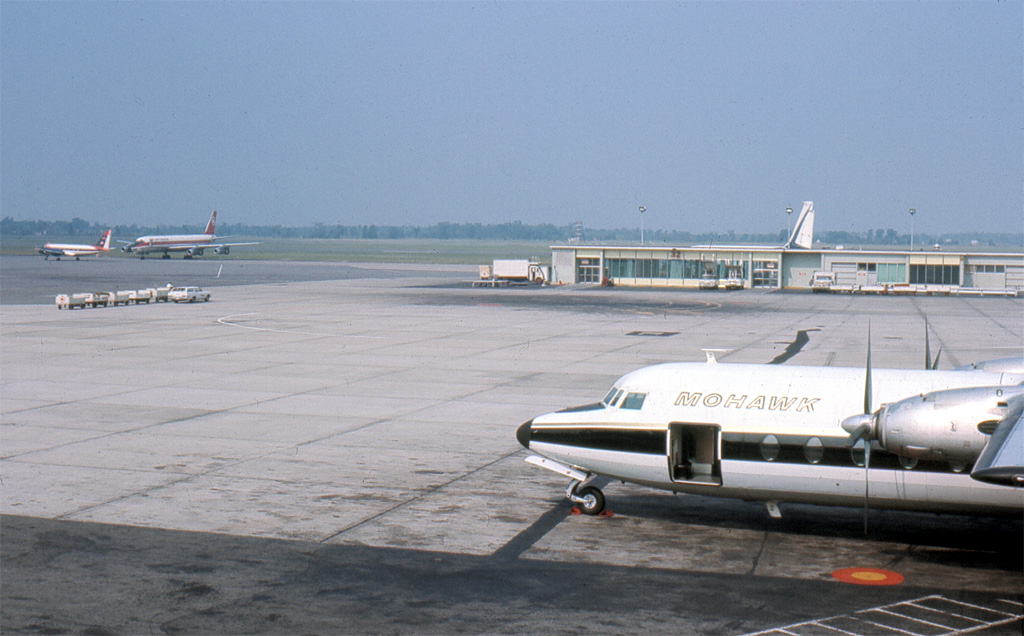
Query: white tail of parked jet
803	233
802	236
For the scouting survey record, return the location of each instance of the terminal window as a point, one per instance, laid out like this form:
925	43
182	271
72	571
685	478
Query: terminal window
934	274
988	269
766	274
653	268
892	273
588	270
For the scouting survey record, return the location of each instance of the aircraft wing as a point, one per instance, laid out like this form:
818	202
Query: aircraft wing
225	248
178	247
184	247
1002	460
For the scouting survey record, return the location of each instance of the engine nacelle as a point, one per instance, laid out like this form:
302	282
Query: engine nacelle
952	425
195	251
1002	365
223	249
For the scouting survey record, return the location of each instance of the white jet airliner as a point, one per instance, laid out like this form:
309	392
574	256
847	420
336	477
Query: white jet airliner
941	441
76	250
190	244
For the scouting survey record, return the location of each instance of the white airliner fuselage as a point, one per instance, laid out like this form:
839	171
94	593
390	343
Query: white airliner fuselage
775	434
76	250
190	244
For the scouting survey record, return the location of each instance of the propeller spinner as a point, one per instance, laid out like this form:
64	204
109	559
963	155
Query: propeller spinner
860	427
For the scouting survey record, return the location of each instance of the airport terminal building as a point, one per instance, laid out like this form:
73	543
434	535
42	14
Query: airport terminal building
758	267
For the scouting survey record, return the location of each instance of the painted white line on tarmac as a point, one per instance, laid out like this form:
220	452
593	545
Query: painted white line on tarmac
227	321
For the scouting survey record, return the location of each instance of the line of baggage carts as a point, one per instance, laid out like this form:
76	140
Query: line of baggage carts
114	298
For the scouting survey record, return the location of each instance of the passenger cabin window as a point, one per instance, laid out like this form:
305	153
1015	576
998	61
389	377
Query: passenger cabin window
634	401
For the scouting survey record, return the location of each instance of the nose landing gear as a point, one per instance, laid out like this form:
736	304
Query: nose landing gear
590	499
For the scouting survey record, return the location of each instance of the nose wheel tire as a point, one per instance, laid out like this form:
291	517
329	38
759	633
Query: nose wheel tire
593	500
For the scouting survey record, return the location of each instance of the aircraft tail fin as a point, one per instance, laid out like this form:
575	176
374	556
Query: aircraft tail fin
211	224
104	242
803	233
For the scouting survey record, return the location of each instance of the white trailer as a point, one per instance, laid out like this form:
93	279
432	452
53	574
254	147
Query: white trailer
72	301
511	272
102	299
519	271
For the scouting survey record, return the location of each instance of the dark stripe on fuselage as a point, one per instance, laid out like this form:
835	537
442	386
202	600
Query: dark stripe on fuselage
832	452
622	440
781	449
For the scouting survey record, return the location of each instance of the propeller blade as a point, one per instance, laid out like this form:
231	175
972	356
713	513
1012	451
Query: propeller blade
862	431
867	466
927	348
867	376
929	365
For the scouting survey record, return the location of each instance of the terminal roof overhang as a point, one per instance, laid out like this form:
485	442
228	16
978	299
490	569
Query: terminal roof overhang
779	250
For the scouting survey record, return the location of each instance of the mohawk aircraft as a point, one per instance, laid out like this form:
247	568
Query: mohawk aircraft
190	244
76	250
926	440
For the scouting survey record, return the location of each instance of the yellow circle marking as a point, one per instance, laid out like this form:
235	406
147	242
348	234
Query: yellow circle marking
868	576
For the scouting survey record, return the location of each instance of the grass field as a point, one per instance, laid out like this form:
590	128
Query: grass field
455	251
461	252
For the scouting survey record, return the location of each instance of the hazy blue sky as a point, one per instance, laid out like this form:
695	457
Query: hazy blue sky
714	116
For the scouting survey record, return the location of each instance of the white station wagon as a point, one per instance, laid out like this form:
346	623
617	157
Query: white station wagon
188	295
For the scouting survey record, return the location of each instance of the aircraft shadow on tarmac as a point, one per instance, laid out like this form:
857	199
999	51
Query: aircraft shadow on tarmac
584	301
987	543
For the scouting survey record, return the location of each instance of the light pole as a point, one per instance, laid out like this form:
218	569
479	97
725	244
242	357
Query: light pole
789	220
642	210
912	213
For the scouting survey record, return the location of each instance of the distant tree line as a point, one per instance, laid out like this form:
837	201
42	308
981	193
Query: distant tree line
512	231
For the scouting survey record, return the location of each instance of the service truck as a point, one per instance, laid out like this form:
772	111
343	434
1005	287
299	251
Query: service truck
512	272
735	278
823	281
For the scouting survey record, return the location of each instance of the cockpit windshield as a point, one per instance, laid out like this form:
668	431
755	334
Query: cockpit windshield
634	401
623	400
613	396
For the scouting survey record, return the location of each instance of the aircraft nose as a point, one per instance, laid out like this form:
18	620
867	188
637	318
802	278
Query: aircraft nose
523	434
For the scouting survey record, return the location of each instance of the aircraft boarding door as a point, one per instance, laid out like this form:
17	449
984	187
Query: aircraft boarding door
694	453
